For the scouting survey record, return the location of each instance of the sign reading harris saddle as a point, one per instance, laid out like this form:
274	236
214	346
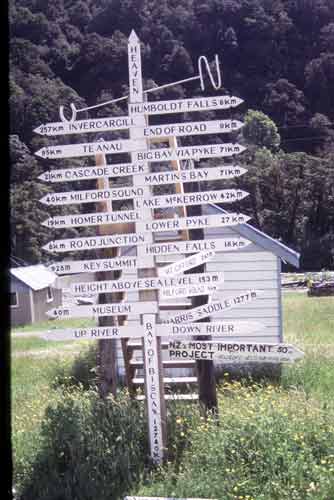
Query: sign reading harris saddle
209	309
234	352
151	283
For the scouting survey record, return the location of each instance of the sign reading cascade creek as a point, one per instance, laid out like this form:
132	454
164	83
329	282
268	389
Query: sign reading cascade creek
234	352
81	173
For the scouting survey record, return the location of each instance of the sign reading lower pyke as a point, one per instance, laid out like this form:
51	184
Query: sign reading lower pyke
215	307
176	247
99	310
185	264
138	284
83	173
196	222
94	333
234	352
221	328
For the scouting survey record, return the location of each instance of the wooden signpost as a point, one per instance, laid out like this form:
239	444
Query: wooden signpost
138	229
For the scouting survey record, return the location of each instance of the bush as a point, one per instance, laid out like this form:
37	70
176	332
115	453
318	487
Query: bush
81	371
91	448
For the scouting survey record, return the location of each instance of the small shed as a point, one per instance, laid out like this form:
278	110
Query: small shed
255	267
32	292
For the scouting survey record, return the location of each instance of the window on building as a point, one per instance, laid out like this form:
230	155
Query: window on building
14	299
49	294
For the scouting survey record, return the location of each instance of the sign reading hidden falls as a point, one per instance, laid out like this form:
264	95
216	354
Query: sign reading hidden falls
171	283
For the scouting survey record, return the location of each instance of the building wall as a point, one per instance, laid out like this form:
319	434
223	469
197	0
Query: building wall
41	306
20	315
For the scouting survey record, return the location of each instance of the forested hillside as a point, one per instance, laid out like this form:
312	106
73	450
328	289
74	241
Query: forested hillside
278	55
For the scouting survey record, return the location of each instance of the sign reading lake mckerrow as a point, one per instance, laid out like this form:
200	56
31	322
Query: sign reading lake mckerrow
170	283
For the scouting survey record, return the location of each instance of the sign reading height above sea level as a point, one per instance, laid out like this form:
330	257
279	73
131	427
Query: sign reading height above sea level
185	105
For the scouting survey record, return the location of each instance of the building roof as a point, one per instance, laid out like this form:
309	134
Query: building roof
261	239
36	277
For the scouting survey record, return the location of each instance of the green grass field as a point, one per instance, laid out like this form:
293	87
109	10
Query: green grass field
273	442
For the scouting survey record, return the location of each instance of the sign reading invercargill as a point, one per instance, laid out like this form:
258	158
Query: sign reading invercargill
152	283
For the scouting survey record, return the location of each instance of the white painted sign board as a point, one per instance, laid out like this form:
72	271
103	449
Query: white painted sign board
221	329
186	291
98	265
212	308
93	219
192	128
183	265
234	352
139	284
195	222
164	498
99	310
196	174
179	200
190	152
91	196
95	242
96	172
87	149
185	105
83	126
193	246
94	333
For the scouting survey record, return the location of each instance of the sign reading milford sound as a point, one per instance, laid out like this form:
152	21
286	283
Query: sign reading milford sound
170	282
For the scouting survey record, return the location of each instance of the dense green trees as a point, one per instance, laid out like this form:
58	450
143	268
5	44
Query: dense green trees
278	55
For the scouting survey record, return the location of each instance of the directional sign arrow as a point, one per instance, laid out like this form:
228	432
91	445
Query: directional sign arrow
186	291
176	247
196	222
215	307
183	265
190	152
93	219
221	328
149	179
84	126
82	173
106	332
87	149
192	128
99	265
185	105
198	174
177	200
92	196
95	242
235	352
137	284
99	310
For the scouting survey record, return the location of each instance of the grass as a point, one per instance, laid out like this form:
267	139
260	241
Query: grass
273	442
51	323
